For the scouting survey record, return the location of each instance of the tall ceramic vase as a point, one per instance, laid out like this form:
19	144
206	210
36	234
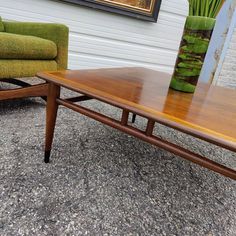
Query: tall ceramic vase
192	52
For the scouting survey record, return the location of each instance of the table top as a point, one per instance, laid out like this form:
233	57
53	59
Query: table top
209	113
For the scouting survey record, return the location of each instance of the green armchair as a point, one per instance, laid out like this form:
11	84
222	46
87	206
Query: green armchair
27	48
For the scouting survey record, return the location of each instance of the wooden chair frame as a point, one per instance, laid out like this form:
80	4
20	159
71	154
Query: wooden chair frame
26	90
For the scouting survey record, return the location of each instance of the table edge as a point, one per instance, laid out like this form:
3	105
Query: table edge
228	143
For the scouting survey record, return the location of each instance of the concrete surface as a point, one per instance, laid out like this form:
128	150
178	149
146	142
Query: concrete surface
103	182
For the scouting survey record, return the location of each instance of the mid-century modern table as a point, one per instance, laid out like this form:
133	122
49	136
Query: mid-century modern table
208	114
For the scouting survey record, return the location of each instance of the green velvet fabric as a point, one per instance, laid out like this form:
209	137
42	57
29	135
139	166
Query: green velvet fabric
25	68
15	46
55	32
1	25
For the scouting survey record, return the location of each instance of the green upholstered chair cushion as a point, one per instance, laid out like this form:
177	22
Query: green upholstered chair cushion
25	68
16	46
1	25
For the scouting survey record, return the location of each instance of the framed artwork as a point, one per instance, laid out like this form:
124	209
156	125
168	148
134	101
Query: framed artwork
141	9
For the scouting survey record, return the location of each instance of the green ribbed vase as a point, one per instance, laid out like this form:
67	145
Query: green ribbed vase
192	52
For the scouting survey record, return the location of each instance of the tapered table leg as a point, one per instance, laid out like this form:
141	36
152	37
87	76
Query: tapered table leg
51	115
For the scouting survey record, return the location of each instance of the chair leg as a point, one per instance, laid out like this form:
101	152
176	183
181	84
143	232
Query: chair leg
32	91
27	90
16	82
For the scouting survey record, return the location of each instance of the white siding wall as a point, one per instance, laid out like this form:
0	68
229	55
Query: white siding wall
227	76
102	39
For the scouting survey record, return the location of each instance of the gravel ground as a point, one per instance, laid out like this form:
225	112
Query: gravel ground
103	182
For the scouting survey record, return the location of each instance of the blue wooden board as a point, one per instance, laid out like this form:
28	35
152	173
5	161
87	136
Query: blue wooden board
219	43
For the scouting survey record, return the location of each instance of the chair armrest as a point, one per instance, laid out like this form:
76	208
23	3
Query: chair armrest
57	33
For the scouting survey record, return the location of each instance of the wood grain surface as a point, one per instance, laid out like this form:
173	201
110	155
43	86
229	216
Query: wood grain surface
209	113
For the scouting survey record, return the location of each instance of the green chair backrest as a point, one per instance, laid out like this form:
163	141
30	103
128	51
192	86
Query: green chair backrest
1	25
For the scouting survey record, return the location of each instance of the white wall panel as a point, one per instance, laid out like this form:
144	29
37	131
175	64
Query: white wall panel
102	39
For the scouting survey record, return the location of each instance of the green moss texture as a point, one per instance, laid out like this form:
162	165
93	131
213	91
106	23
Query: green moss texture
192	52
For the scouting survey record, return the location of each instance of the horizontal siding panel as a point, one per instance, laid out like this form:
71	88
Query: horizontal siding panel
81	61
102	39
128	32
121	50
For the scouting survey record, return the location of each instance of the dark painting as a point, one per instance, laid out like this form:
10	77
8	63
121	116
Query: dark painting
142	9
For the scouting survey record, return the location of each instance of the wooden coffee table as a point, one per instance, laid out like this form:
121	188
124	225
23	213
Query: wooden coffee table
208	114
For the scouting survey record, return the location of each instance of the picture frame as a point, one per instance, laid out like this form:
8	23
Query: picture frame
141	9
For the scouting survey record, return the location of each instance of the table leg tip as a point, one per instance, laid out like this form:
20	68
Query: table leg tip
47	156
133	118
